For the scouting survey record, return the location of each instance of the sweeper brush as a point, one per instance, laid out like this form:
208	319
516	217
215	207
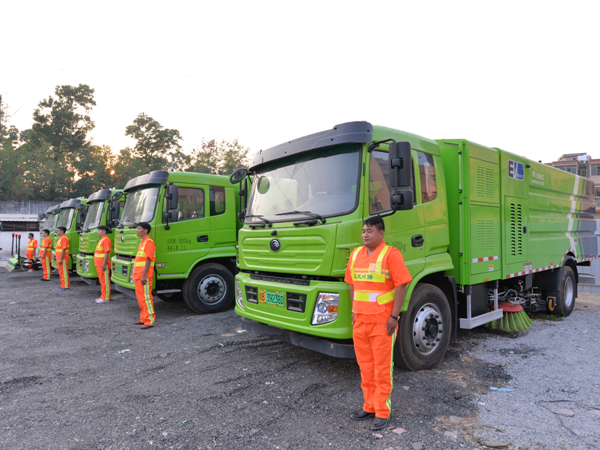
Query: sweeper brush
514	318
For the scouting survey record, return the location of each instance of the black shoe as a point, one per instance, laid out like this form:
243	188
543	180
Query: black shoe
43	279
362	415
379	424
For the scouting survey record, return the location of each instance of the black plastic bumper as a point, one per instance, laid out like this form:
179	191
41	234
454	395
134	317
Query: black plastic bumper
90	281
316	344
126	291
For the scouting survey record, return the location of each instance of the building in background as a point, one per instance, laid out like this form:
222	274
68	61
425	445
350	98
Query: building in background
583	165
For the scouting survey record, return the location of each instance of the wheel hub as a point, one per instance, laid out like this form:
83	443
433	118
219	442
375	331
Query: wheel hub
569	292
427	328
212	289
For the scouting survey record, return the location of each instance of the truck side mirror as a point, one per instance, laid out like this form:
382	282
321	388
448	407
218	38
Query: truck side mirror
173	215
400	164
172	196
114	223
238	175
115	210
402	200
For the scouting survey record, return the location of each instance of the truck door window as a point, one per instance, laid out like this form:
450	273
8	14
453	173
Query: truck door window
191	203
379	190
427	176
217	200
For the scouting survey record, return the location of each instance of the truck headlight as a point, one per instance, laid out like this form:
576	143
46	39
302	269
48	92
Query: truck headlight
239	298
326	308
86	265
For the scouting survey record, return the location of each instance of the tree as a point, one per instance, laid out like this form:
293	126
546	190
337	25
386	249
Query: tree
219	158
64	120
158	147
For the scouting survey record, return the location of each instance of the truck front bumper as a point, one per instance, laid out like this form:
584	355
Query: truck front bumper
331	348
87	270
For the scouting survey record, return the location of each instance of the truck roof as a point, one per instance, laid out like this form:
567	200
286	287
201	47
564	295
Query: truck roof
71	203
162	176
345	133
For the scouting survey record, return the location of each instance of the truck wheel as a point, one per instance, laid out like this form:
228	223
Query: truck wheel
172	297
209	289
565	296
424	332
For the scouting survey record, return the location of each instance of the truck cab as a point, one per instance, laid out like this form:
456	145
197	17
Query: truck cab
194	226
49	221
103	208
72	216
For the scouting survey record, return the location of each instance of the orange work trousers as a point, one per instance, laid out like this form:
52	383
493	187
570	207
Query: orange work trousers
63	273
374	353
143	292
46	267
104	278
30	254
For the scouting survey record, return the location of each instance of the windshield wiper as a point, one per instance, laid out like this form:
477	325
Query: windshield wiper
125	224
86	229
306	213
262	219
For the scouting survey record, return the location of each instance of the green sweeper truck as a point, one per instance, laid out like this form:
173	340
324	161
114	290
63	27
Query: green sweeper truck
101	210
194	219
486	235
72	215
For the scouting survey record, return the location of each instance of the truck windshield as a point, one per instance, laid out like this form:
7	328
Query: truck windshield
94	216
140	206
323	182
50	223
66	217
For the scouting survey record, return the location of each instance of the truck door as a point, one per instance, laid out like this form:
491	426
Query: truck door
404	229
188	238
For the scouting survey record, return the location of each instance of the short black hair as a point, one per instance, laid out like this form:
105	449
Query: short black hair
146	226
31	234
376	222
64	229
46	230
104	227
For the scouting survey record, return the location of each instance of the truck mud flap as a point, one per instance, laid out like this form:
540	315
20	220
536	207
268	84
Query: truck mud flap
316	344
126	291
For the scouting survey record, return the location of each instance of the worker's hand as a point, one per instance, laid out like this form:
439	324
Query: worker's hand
353	314
390	326
59	261
103	267
144	279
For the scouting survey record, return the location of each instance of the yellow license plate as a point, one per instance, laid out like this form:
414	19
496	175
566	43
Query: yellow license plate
271	298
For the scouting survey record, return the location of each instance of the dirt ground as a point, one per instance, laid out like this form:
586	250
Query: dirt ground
78	375
586	301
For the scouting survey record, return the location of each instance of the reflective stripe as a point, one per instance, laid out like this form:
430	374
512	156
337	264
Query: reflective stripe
142	264
149	305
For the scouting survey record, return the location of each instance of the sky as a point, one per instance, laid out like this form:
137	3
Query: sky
520	75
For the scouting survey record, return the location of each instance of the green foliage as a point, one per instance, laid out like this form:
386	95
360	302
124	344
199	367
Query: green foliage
157	146
54	160
219	158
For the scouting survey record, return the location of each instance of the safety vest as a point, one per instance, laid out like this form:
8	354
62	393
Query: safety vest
30	244
99	249
46	245
375	276
140	257
59	244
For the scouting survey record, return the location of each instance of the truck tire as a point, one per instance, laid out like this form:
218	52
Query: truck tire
565	295
209	289
424	330
172	297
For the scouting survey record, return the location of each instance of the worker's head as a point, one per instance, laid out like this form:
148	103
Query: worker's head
61	231
102	230
143	229
30	235
45	232
373	231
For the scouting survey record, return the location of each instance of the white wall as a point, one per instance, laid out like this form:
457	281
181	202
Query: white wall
5	239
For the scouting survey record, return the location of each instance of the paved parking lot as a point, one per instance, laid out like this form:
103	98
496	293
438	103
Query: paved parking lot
77	375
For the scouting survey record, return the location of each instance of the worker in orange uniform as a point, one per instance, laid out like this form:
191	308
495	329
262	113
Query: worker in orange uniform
377	277
143	271
101	257
62	253
46	254
30	252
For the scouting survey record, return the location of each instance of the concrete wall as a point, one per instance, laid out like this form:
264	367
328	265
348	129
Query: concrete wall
25	207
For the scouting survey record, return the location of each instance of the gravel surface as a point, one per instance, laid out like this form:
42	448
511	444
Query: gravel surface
195	382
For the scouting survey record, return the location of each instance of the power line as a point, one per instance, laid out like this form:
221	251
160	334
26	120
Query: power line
33	31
